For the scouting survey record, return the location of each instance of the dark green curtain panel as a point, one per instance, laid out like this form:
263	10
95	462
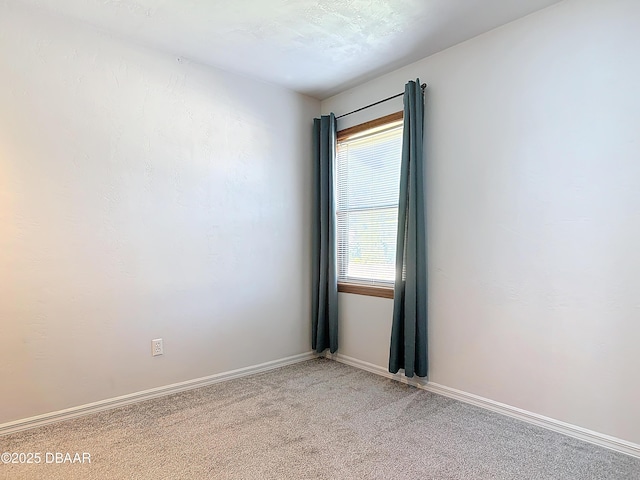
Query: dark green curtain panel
409	329
325	282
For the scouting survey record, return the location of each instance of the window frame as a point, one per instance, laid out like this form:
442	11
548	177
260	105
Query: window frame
362	288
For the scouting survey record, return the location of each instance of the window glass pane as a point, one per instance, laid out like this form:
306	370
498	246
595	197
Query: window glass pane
368	244
369	171
368	179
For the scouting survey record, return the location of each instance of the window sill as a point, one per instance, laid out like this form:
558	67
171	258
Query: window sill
369	290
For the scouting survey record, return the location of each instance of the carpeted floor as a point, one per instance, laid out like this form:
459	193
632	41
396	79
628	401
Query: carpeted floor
314	420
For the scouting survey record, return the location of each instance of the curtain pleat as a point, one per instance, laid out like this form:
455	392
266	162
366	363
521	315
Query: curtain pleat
324	269
408	348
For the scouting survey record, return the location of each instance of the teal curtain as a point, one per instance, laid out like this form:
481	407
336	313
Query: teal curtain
325	282
409	329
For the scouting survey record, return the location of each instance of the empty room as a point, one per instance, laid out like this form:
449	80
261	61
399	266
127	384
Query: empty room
320	239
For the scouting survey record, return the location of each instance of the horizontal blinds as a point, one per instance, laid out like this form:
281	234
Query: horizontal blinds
368	179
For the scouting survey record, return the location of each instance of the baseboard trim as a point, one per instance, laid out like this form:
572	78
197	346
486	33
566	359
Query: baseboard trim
568	429
110	403
377	369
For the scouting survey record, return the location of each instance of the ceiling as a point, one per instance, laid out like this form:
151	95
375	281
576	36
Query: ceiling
316	47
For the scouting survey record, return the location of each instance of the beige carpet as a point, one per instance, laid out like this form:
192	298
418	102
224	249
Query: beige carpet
314	420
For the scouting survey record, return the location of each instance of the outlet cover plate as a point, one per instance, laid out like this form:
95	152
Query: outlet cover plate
156	347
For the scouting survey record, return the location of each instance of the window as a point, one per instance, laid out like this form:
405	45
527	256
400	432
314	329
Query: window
368	182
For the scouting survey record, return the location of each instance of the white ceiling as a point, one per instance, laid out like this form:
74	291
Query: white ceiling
317	47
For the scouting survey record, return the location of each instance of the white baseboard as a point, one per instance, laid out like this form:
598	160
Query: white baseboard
47	418
568	429
377	369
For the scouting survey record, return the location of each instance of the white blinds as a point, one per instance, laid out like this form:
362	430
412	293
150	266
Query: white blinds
368	179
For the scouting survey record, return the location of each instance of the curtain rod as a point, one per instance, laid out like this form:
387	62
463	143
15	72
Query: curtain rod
423	86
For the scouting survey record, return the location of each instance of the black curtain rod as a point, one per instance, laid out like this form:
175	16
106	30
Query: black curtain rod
423	86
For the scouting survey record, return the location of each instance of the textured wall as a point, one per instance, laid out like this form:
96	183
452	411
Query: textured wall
140	197
534	215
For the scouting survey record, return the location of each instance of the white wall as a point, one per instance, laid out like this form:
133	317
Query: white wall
141	197
534	215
